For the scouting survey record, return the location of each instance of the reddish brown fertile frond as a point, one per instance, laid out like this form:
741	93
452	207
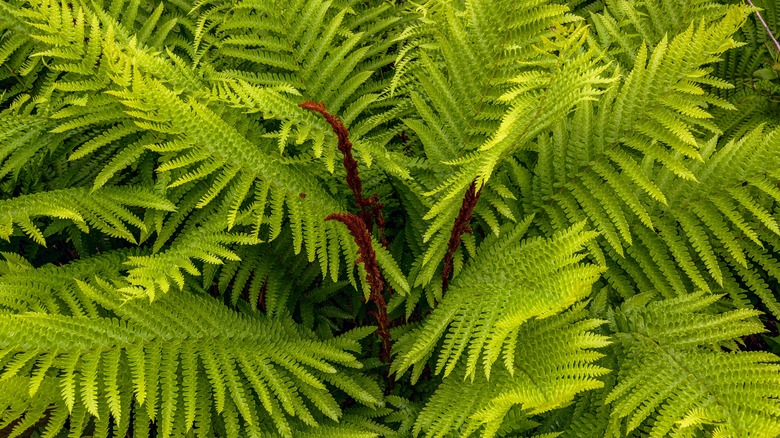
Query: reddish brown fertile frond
461	226
367	256
350	164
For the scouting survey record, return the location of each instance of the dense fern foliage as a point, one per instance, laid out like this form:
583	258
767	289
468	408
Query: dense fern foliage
436	218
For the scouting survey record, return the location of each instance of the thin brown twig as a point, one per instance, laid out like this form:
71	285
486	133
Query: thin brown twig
766	27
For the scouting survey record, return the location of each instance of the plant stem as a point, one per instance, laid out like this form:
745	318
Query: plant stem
18	79
766	27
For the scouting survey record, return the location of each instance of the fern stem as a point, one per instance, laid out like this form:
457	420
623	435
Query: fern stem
766	26
461	226
18	79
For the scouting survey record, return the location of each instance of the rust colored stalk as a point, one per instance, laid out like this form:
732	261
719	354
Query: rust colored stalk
360	225
350	164
461	226
357	228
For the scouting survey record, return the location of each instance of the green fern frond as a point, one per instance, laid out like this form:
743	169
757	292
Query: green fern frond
623	26
150	274
106	210
674	374
149	352
553	361
476	327
645	114
50	289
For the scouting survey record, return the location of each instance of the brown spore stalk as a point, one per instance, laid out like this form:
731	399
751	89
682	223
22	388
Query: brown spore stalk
370	208
360	225
461	226
367	256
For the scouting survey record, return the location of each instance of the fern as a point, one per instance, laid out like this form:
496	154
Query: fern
480	328
525	387
154	356
340	218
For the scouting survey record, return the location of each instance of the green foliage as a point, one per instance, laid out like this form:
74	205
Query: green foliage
169	270
672	359
484	309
